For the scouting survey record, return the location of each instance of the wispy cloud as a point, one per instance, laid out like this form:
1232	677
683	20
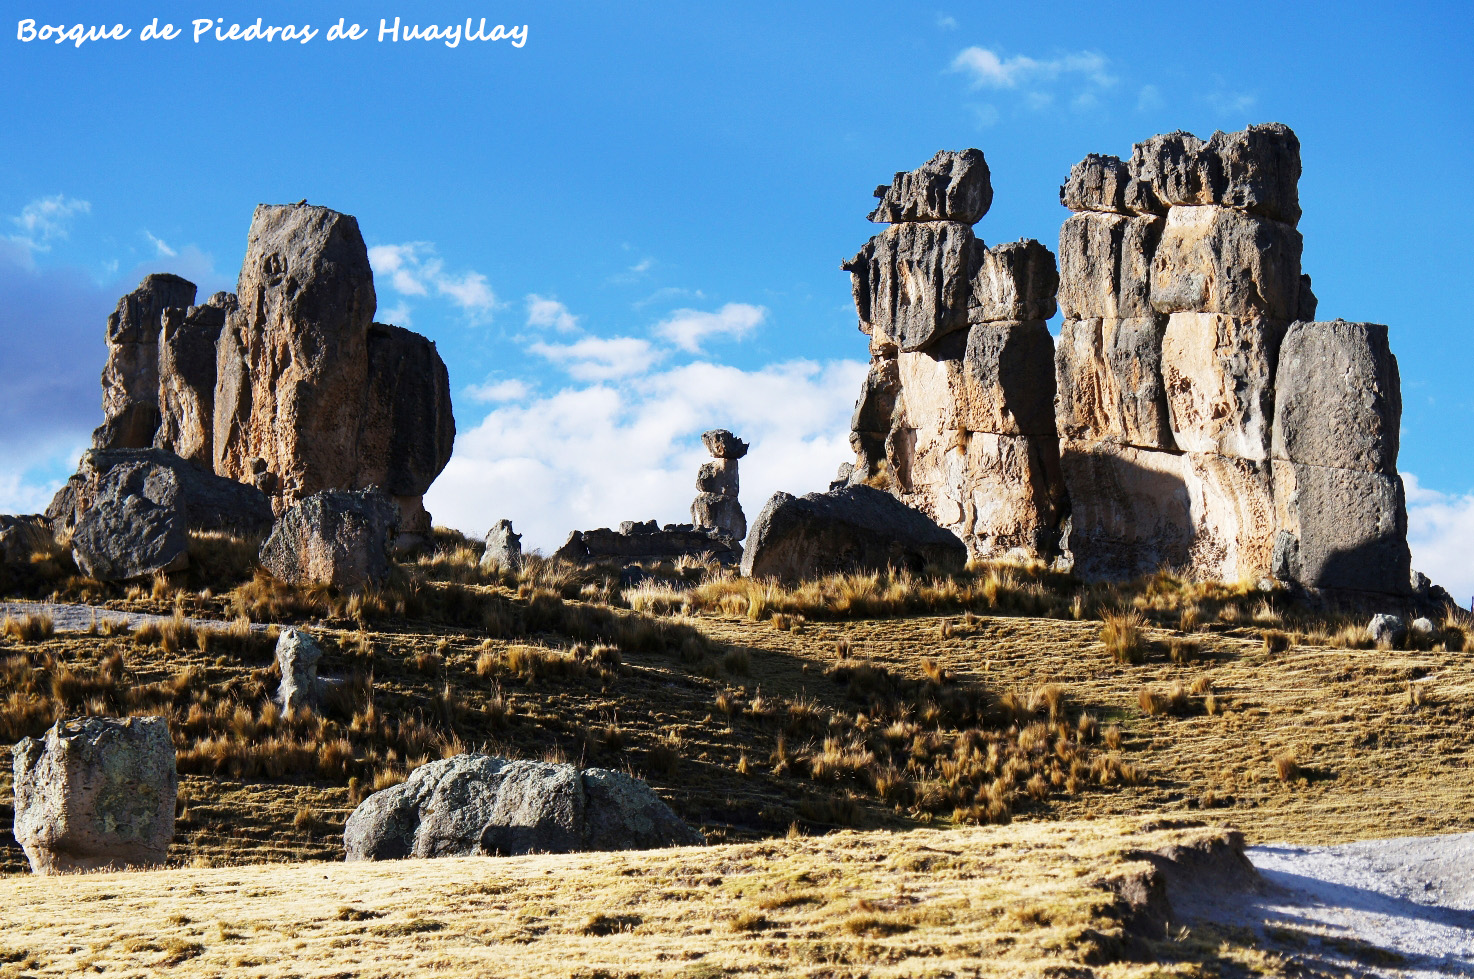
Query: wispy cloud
1148	99
45	220
493	392
414	269
542	311
988	69
600	358
1230	103
159	244
690	328
946	22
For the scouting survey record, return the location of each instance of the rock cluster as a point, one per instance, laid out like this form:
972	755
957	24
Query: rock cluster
637	542
716	507
287	385
956	417
483	805
1206	422
96	792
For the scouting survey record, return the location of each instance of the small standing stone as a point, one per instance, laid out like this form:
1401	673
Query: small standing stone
297	654
503	548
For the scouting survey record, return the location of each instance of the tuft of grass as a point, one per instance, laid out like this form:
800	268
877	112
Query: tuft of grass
1286	768
1121	632
1275	641
29	628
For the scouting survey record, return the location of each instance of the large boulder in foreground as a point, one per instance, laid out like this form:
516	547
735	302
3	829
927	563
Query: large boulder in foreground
482	805
96	792
136	526
335	537
210	502
854	529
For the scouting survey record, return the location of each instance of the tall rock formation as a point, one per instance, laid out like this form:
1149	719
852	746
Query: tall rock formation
716	507
187	378
130	379
1184	390
956	417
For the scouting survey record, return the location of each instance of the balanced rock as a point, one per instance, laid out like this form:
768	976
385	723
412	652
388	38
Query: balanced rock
722	444
482	805
297	654
96	793
1338	397
186	395
1105	183
24	536
1110	386
210	502
334	537
136	525
948	187
1257	170
716	507
130	379
503	547
855	529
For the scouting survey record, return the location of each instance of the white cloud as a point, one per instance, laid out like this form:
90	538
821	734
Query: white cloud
988	70
163	249
398	315
495	391
689	328
600	358
1230	103
542	311
592	456
45	220
414	270
1440	532
946	22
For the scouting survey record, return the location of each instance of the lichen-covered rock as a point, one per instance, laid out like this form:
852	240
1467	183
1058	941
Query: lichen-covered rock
1109	378
503	547
1218	372
912	282
1257	170
334	537
21	537
1013	281
855	529
483	805
1105	265
1338	398
98	792
948	187
136	525
292	364
186	395
1221	260
211	502
297	654
1341	529
407	430
130	379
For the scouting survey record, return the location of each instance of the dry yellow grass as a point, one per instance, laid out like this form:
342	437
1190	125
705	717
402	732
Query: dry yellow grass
1025	900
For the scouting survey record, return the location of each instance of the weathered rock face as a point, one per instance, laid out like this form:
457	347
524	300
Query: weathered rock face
130	380
483	805
407	429
297	654
335	537
503	547
210	502
23	536
957	414
96	792
716	507
1202	430
186	395
292	361
136	525
948	187
855	529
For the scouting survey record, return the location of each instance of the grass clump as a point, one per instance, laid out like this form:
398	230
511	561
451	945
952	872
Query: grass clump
1121	632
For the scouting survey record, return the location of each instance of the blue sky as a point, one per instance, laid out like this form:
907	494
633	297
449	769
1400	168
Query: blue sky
629	228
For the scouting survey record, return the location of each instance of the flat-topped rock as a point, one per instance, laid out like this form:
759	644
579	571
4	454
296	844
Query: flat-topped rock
948	187
1256	170
1013	281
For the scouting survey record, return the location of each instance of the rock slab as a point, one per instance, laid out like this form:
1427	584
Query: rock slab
96	793
483	805
951	186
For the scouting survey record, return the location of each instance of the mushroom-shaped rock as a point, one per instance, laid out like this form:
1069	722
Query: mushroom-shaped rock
948	187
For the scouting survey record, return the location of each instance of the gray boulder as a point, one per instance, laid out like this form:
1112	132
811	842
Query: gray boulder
1341	529
136	526
720	513
503	547
336	537
1105	183
297	654
1257	170
95	793
948	187
639	542
1423	626
1338	398
912	282
1013	281
130	379
211	502
482	805
1386	628
855	529
23	536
